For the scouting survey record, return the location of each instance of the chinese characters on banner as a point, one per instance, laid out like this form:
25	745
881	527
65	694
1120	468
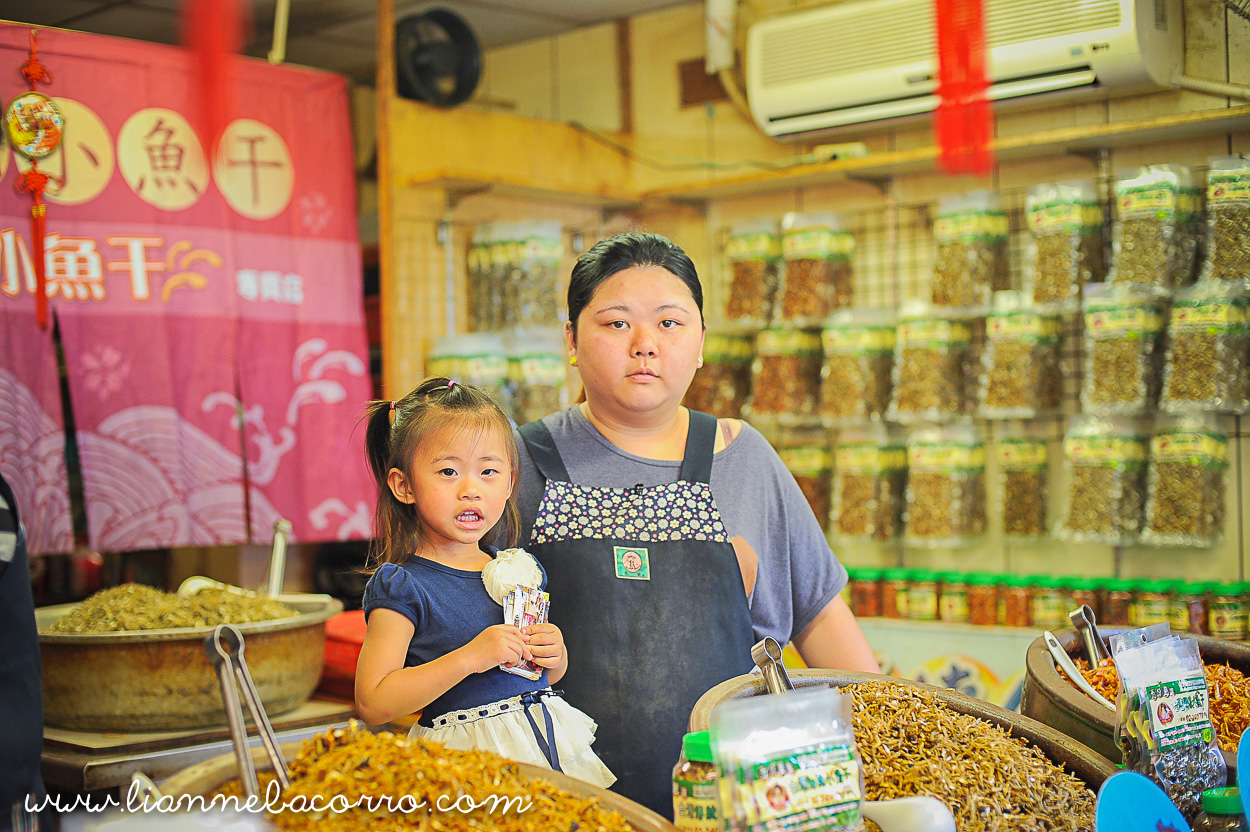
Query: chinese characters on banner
208	296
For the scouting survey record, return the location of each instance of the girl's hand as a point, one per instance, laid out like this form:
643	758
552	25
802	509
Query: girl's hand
496	645
546	643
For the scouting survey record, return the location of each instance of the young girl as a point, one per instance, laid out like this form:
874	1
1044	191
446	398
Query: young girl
446	465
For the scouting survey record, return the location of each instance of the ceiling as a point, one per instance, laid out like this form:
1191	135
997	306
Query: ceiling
336	35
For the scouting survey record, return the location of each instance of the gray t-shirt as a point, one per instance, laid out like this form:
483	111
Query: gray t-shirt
758	500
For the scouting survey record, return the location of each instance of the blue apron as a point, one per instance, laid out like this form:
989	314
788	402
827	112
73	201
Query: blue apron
646	588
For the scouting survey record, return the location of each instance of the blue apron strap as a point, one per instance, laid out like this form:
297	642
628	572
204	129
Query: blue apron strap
700	444
547	743
542	448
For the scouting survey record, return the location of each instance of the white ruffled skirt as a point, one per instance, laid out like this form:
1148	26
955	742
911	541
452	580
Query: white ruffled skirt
501	727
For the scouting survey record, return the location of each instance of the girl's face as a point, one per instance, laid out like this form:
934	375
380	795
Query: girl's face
638	341
460	484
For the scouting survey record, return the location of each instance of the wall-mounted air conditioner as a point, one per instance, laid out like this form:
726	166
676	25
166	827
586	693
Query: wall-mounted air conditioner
866	60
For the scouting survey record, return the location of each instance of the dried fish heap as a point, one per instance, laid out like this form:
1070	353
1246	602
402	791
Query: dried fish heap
137	607
373	771
913	744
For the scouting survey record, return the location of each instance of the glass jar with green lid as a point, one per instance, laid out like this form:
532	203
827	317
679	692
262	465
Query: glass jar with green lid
1222	811
1087	591
866	593
1227	611
1187	608
1151	604
1049	608
922	596
983	597
1017	601
894	592
953	602
1118	608
695	802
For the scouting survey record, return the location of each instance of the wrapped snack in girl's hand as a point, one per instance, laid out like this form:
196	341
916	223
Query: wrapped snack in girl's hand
512	580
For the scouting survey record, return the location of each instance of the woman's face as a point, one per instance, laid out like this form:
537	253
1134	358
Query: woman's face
638	342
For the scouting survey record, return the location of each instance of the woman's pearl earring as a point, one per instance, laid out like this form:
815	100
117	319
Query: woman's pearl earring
700	364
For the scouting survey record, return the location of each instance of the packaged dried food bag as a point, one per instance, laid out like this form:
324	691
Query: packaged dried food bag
1020	375
1106	462
505	267
810	465
869	483
818	278
785	376
540	250
754	255
929	357
1228	220
1163	718
1185	482
1208	339
855	380
723	384
1123	328
945	486
787	762
1155	235
479	359
538	373
971	237
479	289
1022	456
1066	250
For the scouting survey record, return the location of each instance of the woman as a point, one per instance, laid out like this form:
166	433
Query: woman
672	541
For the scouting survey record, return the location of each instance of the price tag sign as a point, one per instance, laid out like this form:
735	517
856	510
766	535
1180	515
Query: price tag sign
1129	802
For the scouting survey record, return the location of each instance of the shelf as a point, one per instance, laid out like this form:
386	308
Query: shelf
880	167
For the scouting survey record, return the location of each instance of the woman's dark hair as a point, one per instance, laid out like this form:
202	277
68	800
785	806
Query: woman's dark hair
436	403
633	249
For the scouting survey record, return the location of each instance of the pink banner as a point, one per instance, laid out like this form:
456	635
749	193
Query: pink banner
208	295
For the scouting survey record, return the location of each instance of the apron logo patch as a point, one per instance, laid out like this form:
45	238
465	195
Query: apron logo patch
632	564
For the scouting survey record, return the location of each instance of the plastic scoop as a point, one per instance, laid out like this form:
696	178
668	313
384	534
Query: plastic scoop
909	814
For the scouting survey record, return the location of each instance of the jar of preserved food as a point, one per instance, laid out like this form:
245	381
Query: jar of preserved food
785	376
1118	609
866	593
1086	591
922	596
894	593
1151	606
953	601
695	802
983	596
1228	611
1049	609
1222	811
722	385
1188	612
1017	601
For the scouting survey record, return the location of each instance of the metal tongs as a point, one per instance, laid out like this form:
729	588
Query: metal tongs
1065	664
767	657
1082	619
224	646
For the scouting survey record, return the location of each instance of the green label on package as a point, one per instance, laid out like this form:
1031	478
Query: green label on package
817	244
1216	315
921	332
871	458
694	806
1158	200
1179	712
1119	321
788	342
1195	447
858	339
808	790
757	246
971	224
1064	216
1021	453
945	456
1228	186
1109	450
806	460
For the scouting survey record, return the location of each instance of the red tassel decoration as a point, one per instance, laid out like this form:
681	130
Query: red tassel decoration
35	182
213	31
964	119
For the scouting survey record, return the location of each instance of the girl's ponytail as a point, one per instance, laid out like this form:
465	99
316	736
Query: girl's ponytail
394	522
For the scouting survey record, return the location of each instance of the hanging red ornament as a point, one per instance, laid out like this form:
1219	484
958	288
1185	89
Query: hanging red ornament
35	127
964	119
213	31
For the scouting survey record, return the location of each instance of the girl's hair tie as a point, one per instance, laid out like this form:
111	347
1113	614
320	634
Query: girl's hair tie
392	405
451	382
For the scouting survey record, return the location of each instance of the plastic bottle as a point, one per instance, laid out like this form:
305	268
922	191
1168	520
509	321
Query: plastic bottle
1152	603
1228	611
953	604
1117	610
984	596
1086	591
922	596
1049	609
695	805
894	593
1221	811
1017	601
866	593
